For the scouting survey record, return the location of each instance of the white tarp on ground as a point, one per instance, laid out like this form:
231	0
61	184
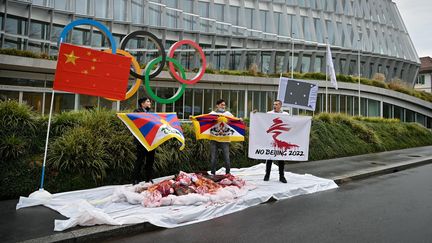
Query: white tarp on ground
97	206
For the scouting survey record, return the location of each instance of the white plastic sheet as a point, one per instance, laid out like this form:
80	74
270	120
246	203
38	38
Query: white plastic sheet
102	205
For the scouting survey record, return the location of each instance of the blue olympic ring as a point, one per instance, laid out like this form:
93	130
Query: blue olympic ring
96	24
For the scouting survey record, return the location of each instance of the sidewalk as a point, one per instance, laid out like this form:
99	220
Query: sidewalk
36	224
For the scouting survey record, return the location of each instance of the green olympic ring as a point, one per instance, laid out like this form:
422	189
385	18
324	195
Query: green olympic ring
150	92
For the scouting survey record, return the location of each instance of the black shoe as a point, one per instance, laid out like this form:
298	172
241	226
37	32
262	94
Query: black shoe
282	179
266	177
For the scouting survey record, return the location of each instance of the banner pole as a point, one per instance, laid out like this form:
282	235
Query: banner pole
326	89
46	142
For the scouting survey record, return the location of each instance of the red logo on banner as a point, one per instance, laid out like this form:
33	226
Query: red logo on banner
276	129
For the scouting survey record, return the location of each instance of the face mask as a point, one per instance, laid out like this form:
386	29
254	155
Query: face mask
221	110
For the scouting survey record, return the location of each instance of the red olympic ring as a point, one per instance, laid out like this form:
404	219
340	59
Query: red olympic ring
201	70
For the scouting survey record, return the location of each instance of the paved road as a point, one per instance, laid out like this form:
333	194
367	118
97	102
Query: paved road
390	208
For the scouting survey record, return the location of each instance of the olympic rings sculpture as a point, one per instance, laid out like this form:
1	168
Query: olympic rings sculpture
176	71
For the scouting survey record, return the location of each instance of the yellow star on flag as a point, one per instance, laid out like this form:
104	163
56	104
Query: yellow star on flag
71	58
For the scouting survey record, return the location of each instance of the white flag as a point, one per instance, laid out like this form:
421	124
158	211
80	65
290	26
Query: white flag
330	68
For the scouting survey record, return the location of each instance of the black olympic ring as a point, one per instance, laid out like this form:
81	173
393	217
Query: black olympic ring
159	46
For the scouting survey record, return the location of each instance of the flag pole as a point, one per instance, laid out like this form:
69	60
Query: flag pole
46	142
326	88
359	66
292	61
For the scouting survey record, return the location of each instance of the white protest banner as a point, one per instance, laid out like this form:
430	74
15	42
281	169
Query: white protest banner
274	136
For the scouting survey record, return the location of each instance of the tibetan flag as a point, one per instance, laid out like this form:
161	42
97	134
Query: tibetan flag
153	129
86	71
219	128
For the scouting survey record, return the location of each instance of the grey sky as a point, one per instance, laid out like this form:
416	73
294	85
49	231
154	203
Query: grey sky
417	15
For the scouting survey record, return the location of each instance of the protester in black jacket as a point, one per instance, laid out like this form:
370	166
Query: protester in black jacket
144	157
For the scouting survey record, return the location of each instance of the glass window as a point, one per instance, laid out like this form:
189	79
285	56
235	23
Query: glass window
33	100
61	4
198	102
249	18
235	15
172	17
265	20
235	60
97	39
363	106
241	104
219	12
165	93
38	2
373	108
208	101
15	25
80	37
188	21
330	32
62	102
203	11
305	64
179	107
319	30
9	95
35	47
317	64
233	101
154	15
282	28
421	119
421	79
137	11
188	105
81	7
409	116
398	113
120	10
89	102
101	11
342	103
350	105
306	28
295	28
387	110
38	30
265	62
55	32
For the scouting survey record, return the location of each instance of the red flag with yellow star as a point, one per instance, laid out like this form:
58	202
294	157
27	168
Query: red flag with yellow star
91	72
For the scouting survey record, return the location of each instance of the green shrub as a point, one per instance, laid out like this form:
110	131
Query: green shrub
79	151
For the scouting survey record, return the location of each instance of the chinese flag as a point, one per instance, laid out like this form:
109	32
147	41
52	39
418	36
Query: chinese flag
91	72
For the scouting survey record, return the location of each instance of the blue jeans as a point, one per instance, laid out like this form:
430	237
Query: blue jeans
213	155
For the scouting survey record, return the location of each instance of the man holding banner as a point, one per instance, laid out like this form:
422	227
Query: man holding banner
214	145
277	108
277	136
144	105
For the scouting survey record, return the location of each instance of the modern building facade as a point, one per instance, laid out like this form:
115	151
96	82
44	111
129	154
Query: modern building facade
366	37
424	78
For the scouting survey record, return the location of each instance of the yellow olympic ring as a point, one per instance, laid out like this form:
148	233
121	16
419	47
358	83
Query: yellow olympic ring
137	68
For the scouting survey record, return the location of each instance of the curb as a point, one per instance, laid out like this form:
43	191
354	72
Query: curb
363	174
96	233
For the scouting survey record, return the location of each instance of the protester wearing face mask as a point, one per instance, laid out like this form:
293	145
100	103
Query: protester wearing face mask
224	146
144	157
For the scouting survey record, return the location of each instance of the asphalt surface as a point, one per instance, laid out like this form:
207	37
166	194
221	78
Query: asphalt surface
387	208
37	223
